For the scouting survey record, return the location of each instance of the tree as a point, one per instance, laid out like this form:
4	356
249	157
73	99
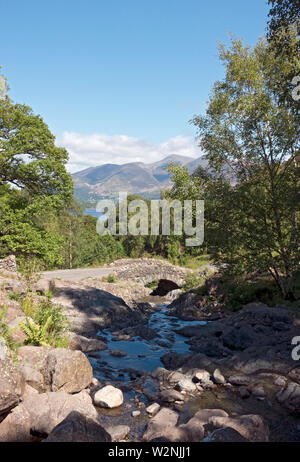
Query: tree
29	159
283	34
252	142
33	183
283	14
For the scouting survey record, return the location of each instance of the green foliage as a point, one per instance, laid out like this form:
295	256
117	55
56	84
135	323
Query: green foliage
16	296
252	143
195	280
33	183
27	305
152	285
28	156
240	291
283	16
47	326
111	278
5	332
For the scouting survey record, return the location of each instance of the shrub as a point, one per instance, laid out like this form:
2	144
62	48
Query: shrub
28	306
193	280
110	278
47	327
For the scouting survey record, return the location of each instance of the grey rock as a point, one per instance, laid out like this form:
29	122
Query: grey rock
118	353
251	427
12	384
225	435
239	380
161	425
170	396
67	370
16	426
40	413
118	432
78	428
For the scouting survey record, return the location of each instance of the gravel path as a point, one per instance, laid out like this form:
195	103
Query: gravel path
77	274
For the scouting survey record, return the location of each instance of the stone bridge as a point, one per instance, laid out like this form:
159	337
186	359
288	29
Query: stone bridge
146	270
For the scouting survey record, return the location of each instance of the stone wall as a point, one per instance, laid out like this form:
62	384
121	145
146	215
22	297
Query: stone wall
9	264
146	270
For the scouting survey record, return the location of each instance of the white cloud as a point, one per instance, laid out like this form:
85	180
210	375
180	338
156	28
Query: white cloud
97	149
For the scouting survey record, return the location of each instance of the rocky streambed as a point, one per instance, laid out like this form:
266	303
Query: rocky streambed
240	374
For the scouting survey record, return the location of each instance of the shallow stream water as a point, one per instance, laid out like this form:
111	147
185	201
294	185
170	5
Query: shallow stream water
141	355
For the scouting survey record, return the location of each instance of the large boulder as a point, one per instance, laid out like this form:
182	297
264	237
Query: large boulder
67	370
251	427
34	357
88	308
38	414
190	306
16	426
108	397
61	369
163	424
78	428
32	377
12	386
194	429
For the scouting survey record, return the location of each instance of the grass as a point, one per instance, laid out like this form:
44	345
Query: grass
194	262
196	280
110	278
152	285
16	296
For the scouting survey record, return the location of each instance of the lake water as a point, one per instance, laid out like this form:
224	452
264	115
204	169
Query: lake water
94	213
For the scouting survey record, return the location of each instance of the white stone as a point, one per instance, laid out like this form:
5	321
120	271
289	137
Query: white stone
203	376
219	378
186	385
153	409
108	397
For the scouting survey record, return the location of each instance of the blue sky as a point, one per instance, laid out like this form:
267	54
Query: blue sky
119	80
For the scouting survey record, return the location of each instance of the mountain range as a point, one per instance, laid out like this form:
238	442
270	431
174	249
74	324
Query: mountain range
108	180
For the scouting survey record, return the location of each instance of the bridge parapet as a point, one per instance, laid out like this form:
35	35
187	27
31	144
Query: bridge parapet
146	270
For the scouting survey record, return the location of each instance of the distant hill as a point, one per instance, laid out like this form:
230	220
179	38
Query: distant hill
147	180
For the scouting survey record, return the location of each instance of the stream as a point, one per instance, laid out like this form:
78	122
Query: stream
131	373
141	355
